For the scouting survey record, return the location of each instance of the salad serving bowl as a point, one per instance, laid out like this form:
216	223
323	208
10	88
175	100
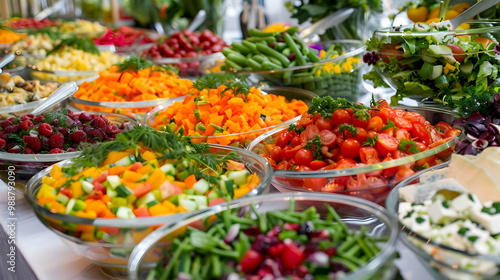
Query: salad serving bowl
354	212
441	66
242	139
442	261
190	66
375	191
112	240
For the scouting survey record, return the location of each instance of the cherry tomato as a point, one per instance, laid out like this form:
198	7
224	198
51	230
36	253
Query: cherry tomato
305	120
327	138
296	141
350	111
403	174
276	153
421	146
388	131
361	135
452	133
443	127
375	123
333	187
250	261
414	117
284	165
382	103
399	112
359	122
292	256
350	148
317	164
311	131
427	162
368	153
458	53
371	133
315	184
323	124
303	157
484	41
389	172
386	144
66	191
402	134
386	114
283	139
435	135
340	116
401	122
290	153
420	131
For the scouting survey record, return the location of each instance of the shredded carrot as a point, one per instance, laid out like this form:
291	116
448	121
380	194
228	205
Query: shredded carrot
216	112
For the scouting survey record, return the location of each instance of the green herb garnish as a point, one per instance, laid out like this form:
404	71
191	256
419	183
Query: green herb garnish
403	146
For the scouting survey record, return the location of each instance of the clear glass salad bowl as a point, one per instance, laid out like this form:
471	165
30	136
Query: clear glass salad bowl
336	77
436	66
124	234
190	66
293	181
354	212
440	260
242	139
27	165
59	76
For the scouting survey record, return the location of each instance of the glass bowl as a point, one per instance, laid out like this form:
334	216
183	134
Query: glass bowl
59	76
125	233
354	212
429	72
242	139
190	66
440	260
325	78
369	184
27	165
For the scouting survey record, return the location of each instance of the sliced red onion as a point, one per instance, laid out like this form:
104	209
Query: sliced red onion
487	136
459	122
495	128
461	145
320	258
480	144
471	137
474	128
273	266
469	150
476	117
232	233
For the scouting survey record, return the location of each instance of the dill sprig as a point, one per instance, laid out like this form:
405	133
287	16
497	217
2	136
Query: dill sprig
171	145
238	83
84	44
135	63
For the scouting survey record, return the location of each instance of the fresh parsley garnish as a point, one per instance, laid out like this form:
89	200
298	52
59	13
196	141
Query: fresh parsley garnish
446	204
239	84
463	230
362	114
316	142
370	141
403	146
84	44
327	105
420	220
348	127
439	129
390	124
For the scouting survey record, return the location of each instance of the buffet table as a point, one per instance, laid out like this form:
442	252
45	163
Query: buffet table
49	258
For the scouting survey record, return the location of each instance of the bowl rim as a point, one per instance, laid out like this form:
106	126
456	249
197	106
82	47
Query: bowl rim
392	205
11	157
361	50
380	212
174	60
127	104
386	31
361	169
34	182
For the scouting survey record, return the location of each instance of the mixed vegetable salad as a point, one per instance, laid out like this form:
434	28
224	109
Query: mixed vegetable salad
274	244
336	134
444	66
140	174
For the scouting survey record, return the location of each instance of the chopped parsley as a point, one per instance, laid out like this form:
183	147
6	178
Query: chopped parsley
446	204
420	220
472	238
390	124
316	142
370	141
463	230
348	127
403	146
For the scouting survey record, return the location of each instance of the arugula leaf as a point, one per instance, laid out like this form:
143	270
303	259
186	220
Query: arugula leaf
370	141
403	145
390	124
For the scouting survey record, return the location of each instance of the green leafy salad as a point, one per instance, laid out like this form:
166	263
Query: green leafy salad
431	62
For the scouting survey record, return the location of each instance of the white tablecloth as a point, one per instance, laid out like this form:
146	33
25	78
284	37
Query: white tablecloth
51	259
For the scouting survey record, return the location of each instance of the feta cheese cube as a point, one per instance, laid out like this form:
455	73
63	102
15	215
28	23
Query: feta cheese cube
421	223
490	222
463	202
438	213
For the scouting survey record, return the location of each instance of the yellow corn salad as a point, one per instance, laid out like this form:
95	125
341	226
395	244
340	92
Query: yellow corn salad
347	66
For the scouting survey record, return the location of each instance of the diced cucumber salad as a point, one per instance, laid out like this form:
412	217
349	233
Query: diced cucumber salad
142	173
444	68
275	244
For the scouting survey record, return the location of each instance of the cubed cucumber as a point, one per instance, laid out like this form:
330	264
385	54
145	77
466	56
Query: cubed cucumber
189	191
87	187
61	198
228	188
143	200
467	67
238	176
189	205
212	195
131	198
440	50
174	199
152	203
124	212
201	187
169	169
437	70
200	200
126	161
111	192
113	180
70	205
157	194
123	191
110	238
117	202
79	205
420	26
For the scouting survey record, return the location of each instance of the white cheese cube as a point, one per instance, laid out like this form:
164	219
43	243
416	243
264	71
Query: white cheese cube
421	224
463	202
438	213
490	222
404	208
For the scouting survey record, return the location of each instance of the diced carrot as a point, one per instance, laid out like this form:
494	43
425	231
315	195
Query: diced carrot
190	181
